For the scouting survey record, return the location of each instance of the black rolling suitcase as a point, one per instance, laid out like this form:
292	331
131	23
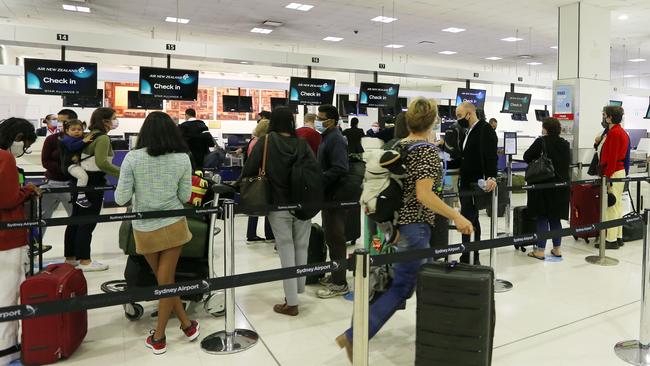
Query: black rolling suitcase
352	225
455	315
522	224
317	251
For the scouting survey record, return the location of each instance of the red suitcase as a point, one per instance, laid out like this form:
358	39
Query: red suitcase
585	209
47	339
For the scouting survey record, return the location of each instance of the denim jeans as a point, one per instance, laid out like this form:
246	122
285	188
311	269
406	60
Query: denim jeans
412	236
543	225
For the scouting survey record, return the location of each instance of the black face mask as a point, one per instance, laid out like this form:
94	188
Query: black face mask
604	123
463	122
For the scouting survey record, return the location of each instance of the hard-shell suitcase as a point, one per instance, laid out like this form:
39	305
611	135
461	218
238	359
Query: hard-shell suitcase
585	209
455	315
502	198
47	339
523	223
352	224
317	250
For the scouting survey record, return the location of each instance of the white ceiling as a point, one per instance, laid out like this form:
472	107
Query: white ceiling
486	21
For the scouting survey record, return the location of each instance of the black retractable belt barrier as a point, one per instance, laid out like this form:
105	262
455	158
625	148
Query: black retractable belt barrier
201	286
73	189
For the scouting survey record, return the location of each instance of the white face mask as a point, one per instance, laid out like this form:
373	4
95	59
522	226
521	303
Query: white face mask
375	129
54	123
17	149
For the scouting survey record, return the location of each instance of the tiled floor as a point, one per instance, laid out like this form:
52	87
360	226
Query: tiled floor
559	313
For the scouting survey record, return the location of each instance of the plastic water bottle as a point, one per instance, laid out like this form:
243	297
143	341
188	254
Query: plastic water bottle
482	184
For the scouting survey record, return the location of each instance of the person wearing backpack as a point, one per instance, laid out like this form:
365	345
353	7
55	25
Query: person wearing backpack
293	173
416	216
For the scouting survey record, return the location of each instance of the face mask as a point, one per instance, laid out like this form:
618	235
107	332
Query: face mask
463	122
604	123
375	129
319	126
17	149
115	124
54	123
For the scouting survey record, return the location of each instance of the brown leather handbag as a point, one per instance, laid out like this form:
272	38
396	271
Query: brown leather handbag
256	191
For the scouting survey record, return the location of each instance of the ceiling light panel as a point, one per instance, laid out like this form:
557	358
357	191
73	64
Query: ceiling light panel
447	52
512	39
554	47
333	39
261	30
80	9
177	20
637	60
298	6
453	30
623	17
493	58
394	46
534	63
383	19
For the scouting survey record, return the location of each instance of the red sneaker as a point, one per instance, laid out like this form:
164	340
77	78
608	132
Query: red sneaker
192	332
157	346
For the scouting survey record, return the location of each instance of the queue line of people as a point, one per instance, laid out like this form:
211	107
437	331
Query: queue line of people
162	149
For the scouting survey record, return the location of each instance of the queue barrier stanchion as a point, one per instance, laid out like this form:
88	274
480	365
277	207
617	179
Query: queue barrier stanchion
230	340
601	259
509	193
637	352
361	306
499	284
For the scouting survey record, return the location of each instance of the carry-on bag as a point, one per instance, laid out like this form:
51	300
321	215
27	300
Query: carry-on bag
523	223
317	251
585	209
50	338
632	231
455	315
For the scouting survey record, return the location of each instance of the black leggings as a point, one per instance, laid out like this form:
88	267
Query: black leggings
79	237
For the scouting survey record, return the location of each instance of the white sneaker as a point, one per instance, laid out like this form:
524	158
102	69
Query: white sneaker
73	263
93	267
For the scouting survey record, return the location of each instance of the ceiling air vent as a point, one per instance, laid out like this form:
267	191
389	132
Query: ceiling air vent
272	23
426	42
525	57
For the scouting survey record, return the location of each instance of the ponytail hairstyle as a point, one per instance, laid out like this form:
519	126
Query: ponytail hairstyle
421	115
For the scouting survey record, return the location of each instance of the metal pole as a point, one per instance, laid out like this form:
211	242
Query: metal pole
39	218
361	305
214	303
509	184
601	259
638	197
230	340
499	285
638	352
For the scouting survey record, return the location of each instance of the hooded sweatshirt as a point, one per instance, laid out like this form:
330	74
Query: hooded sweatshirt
282	153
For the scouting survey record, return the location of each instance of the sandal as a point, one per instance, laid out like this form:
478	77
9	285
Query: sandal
555	255
532	255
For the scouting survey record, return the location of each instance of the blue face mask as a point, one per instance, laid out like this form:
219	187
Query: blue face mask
319	126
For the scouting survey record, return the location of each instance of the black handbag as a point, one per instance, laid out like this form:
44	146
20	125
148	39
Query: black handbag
256	191
632	231
594	166
541	169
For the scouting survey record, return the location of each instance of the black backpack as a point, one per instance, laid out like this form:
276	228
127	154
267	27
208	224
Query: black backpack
306	182
66	156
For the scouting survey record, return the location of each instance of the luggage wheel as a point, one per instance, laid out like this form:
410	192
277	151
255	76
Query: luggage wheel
214	304
113	286
133	311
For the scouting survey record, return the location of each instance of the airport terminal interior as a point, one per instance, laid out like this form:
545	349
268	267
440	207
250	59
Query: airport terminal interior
516	61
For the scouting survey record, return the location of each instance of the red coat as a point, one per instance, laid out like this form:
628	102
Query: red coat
11	202
612	156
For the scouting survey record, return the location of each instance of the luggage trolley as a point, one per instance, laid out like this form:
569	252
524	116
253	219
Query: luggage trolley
138	273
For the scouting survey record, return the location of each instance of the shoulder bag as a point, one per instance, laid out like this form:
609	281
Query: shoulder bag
256	191
541	169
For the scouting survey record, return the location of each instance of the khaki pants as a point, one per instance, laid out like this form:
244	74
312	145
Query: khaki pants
616	211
